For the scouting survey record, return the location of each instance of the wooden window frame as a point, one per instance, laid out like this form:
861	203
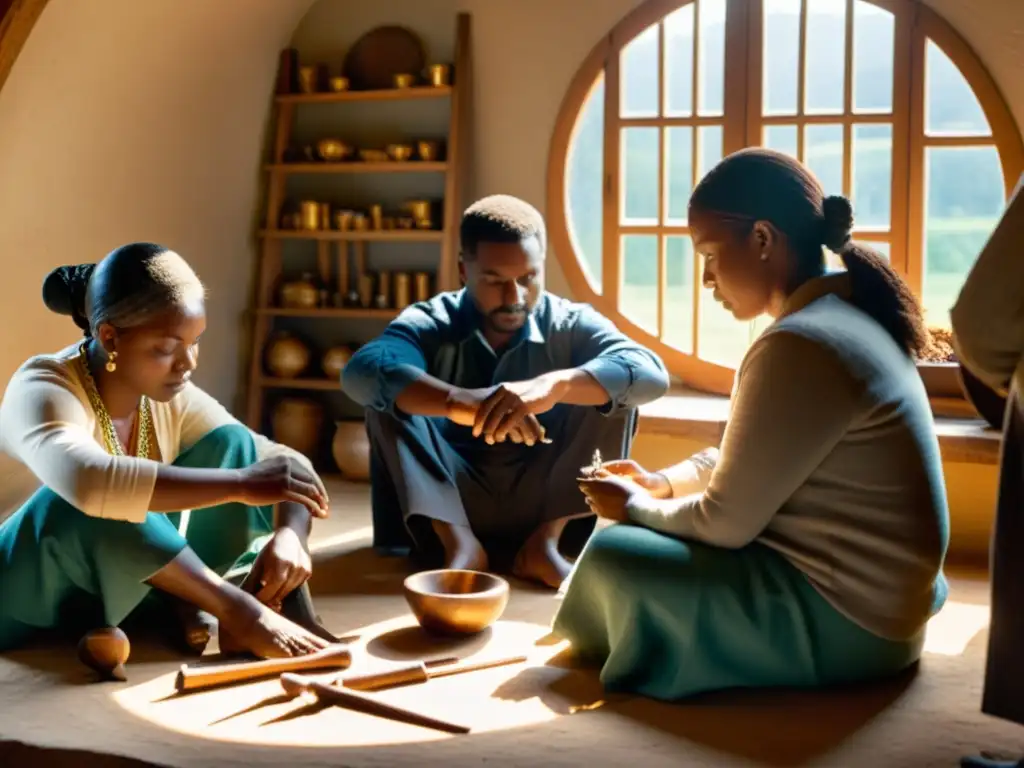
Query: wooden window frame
742	124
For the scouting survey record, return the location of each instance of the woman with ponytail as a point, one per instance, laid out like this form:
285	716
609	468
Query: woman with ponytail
808	550
122	444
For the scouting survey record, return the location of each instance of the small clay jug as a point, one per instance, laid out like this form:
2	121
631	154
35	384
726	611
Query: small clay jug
105	651
351	450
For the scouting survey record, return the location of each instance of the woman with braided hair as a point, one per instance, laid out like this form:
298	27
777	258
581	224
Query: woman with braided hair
808	549
122	445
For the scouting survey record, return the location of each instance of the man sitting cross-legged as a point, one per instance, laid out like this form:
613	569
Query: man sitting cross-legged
483	404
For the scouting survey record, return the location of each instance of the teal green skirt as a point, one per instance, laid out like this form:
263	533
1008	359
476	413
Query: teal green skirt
60	568
668	619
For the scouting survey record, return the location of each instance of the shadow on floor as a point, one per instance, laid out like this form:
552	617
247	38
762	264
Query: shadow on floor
766	727
18	753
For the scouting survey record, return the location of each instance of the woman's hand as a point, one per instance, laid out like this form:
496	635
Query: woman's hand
653	482
282	478
282	566
610	497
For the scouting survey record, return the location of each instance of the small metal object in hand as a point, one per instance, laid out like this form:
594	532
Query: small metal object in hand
595	465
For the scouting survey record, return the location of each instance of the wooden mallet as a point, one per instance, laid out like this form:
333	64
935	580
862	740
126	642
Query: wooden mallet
201	676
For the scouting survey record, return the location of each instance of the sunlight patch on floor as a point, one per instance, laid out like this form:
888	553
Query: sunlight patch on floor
488	700
952	629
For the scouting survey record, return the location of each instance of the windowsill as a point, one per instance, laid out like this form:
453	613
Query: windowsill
699	416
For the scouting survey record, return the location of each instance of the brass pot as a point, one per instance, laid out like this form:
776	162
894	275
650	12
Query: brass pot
334	361
334	150
343	220
429	151
402	290
439	75
404	81
287	356
307	79
422	286
351	450
296	423
339	84
419	210
373	156
300	294
399	152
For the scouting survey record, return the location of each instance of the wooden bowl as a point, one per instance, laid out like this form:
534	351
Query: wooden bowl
456	602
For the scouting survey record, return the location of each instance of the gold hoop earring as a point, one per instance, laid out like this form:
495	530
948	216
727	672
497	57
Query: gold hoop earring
111	365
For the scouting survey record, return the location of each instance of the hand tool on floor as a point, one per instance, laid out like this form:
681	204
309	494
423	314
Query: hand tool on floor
296	685
209	675
419	672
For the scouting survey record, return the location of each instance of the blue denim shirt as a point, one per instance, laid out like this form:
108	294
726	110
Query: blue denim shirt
442	338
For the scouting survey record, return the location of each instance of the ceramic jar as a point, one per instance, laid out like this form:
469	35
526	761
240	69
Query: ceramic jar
296	422
351	450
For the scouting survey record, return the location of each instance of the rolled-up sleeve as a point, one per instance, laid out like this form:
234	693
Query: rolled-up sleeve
988	317
630	373
380	370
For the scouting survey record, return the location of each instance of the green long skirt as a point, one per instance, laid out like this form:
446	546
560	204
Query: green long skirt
669	619
60	567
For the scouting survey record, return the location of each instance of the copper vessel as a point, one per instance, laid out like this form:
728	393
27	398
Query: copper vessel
307	79
456	602
309	211
296	423
334	360
402	295
440	75
421	281
351	450
339	84
287	356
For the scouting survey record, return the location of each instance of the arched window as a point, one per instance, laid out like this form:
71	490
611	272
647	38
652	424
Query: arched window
880	98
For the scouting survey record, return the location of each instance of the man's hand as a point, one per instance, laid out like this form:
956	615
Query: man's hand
282	566
514	406
504	412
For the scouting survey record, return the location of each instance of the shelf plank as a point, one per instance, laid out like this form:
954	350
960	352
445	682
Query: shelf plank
354	313
388	235
387	94
269	382
390	166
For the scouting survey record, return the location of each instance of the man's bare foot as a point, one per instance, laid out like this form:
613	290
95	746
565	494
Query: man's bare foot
461	548
539	559
250	626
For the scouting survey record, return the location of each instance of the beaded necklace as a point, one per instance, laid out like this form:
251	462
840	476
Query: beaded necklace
113	442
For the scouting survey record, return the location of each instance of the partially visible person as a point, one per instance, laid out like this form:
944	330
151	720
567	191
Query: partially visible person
808	551
122	445
483	404
988	336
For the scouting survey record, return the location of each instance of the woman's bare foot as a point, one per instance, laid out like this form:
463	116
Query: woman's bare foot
462	550
250	626
539	559
197	626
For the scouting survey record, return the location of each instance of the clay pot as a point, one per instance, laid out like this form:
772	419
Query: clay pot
300	294
334	361
287	356
105	651
351	450
296	423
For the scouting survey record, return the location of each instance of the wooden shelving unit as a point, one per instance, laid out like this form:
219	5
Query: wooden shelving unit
271	239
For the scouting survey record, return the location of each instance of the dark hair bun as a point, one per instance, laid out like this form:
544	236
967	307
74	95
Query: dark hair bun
838	222
64	292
